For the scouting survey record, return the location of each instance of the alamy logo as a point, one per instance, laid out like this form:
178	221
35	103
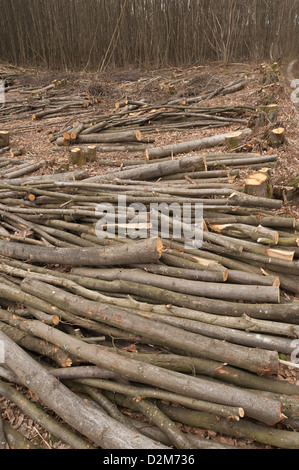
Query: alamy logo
2	92
295	352
175	221
295	94
2	353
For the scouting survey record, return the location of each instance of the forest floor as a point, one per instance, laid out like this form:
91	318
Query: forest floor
155	87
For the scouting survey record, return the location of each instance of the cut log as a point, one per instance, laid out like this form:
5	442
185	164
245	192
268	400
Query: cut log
261	408
155	170
210	290
62	142
280	254
247	231
81	156
113	137
143	251
189	146
25	170
158	333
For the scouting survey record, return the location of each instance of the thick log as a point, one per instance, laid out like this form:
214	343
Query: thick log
241	199
15	439
144	251
270	111
113	137
91	153
77	157
258	234
190	146
155	170
34	344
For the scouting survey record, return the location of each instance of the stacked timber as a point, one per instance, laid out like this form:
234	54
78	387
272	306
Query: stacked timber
122	130
105	308
54	100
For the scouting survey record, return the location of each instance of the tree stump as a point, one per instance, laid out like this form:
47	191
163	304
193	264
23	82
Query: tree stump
277	137
80	157
4	139
266	115
91	154
259	184
271	111
233	140
269	75
77	157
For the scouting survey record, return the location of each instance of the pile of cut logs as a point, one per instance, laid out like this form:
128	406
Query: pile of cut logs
98	317
121	131
54	100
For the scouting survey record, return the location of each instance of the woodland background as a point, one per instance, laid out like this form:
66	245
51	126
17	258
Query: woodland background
95	34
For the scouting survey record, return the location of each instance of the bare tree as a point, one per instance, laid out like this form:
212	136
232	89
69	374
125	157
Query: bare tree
96	34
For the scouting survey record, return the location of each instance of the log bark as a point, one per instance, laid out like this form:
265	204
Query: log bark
190	146
244	322
146	392
149	250
34	344
277	137
83	417
233	140
4	139
210	290
155	331
258	185
243	429
113	137
16	440
43	419
261	408
155	170
3	441
24	171
195	275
